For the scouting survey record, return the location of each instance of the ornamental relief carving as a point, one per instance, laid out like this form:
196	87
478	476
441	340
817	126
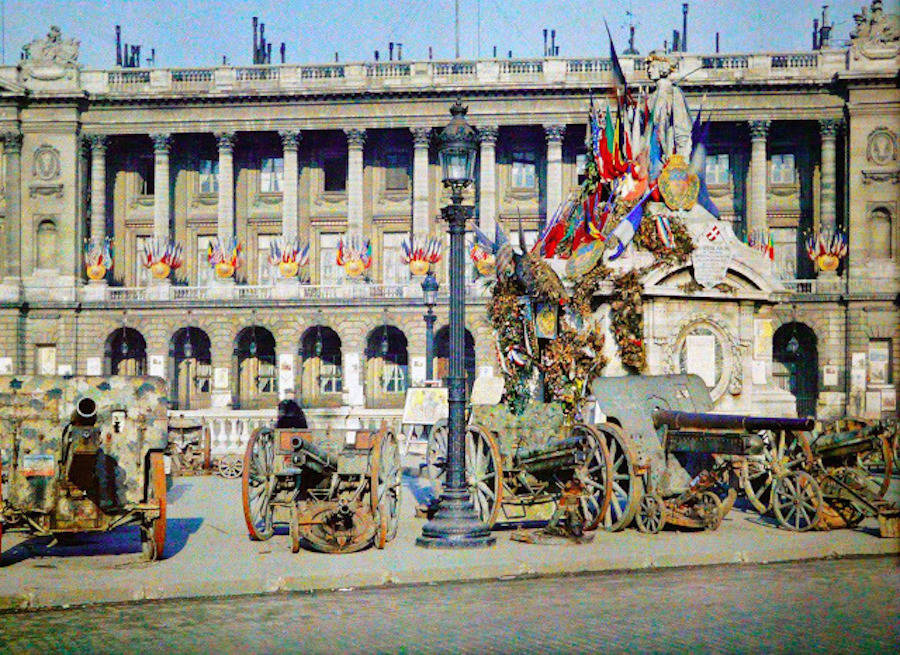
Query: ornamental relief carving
728	355
45	163
881	149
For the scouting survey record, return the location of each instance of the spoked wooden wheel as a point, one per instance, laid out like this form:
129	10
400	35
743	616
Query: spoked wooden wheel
320	530
709	508
230	466
484	475
385	486
258	484
650	517
595	474
153	531
626	486
436	455
783	452
797	501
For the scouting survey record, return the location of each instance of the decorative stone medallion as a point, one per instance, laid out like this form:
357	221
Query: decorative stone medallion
45	165
882	147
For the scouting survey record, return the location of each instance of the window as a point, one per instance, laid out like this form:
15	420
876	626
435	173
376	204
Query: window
334	168
782	169
393	378
717	169
267	381
329	377
209	176
396	171
271	175
205	273
265	273
142	276
879	361
45	360
395	271
147	170
785	247
329	271
523	170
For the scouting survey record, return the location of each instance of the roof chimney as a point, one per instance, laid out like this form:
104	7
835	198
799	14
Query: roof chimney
684	15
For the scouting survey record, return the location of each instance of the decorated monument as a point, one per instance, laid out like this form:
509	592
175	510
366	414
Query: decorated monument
602	292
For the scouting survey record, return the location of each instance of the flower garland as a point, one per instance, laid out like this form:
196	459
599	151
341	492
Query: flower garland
569	362
627	319
651	237
516	342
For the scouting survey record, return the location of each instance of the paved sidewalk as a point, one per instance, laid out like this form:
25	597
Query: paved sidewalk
208	554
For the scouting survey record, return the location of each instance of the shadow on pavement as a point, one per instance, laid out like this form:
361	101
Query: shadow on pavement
121	541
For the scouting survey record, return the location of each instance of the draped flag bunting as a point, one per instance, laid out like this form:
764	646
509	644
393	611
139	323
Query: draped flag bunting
162	256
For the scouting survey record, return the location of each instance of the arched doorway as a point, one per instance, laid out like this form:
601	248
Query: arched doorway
125	353
256	382
322	377
796	369
190	369
387	367
442	356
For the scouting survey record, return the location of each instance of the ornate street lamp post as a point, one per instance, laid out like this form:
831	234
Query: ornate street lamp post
455	525
430	288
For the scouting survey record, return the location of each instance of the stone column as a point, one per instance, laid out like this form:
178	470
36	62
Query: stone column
98	143
828	197
356	139
555	134
12	150
420	223
290	141
487	199
756	215
225	224
161	210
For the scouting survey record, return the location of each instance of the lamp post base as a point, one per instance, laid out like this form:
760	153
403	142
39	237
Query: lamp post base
455	525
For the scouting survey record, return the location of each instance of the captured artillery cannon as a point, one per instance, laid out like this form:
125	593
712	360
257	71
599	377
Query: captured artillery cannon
728	436
338	493
515	464
84	454
849	492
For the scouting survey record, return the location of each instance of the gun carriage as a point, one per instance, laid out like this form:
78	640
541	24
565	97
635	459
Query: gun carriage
339	491
84	454
518	463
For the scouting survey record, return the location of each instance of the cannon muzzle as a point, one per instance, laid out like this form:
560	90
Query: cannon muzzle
699	421
324	459
85	414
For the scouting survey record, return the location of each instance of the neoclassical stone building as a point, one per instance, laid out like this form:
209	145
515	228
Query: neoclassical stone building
801	142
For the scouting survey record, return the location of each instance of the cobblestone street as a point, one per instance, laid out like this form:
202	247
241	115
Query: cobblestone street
847	606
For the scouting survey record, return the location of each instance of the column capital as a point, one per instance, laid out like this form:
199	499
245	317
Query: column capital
421	136
290	139
829	127
487	134
759	130
97	143
356	137
554	133
161	143
225	141
12	141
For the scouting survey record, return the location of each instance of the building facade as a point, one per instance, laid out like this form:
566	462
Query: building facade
802	143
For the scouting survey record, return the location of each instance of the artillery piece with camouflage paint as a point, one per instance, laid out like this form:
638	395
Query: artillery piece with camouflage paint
84	454
520	469
339	490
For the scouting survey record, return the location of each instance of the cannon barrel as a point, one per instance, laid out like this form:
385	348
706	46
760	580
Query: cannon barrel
673	419
324	458
85	414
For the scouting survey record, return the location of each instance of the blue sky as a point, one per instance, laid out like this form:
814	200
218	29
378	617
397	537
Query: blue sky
200	32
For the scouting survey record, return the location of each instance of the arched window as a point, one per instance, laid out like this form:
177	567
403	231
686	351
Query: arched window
125	353
256	384
322	377
46	256
387	367
797	364
190	366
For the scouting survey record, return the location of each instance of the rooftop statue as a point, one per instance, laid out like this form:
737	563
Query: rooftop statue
876	34
668	107
52	50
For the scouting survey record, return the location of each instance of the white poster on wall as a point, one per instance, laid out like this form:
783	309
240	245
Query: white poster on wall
830	375
701	357
93	366
762	338
64	369
156	365
417	370
285	375
6	365
353	389
888	400
220	378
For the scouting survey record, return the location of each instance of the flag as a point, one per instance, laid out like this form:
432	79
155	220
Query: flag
655	150
713	233
627	228
618	73
664	230
699	137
